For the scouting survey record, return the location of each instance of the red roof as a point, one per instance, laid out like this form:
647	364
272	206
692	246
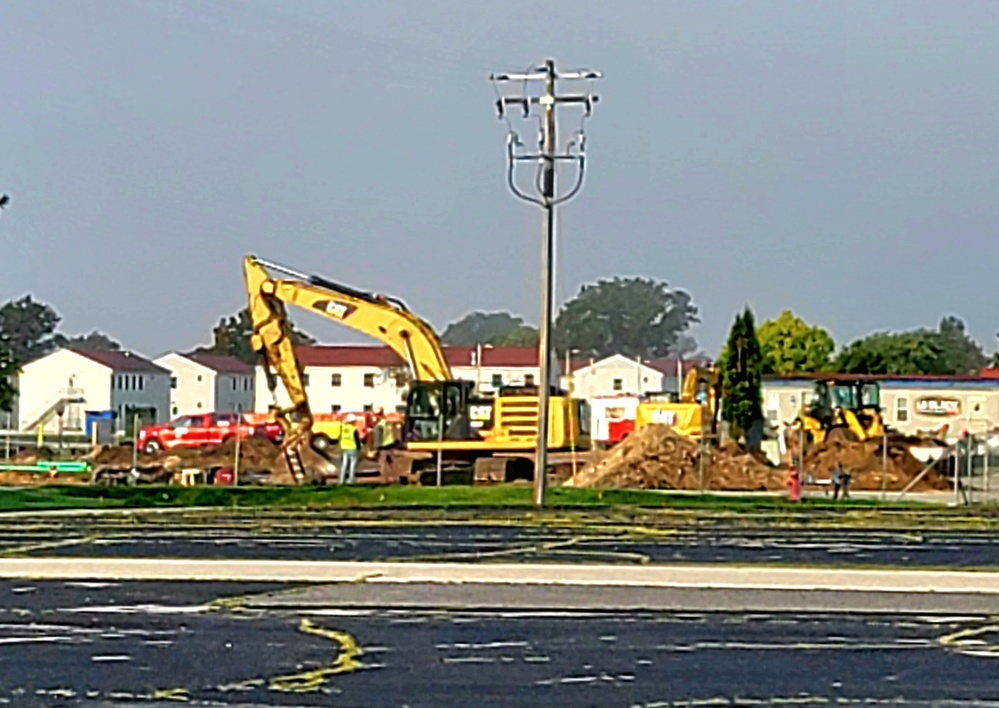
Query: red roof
337	355
513	357
383	357
121	361
989	373
222	364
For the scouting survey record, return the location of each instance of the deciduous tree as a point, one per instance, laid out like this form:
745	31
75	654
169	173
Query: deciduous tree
946	351
790	345
8	375
94	341
231	337
484	328
29	329
630	316
962	354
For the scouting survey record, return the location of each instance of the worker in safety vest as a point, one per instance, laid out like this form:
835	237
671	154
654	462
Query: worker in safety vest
384	432
350	444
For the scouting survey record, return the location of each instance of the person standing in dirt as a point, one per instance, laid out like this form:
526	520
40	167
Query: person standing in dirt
350	445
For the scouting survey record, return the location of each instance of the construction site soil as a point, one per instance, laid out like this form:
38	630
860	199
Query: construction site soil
656	457
868	470
257	456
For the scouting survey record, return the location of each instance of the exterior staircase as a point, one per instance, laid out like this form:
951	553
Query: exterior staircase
63	398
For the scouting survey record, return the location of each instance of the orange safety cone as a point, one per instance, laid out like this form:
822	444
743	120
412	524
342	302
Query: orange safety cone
794	485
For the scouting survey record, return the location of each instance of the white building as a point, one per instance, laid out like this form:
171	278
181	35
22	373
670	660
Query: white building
618	375
91	384
359	378
205	383
614	376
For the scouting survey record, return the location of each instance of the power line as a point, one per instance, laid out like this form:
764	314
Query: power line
547	159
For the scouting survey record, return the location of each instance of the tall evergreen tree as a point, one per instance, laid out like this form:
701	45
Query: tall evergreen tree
742	377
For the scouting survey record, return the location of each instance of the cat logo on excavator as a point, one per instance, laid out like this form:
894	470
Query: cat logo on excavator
664	417
339	310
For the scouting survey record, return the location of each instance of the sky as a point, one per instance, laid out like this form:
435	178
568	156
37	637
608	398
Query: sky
840	159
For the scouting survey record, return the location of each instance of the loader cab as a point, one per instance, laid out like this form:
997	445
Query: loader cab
854	395
445	410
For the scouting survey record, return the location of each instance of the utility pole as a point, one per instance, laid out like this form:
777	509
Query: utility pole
546	160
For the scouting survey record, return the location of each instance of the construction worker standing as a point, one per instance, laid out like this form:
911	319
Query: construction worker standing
384	434
350	444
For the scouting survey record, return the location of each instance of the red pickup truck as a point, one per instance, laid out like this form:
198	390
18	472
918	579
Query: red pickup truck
203	430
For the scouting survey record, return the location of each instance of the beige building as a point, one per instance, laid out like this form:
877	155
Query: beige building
911	405
82	385
206	383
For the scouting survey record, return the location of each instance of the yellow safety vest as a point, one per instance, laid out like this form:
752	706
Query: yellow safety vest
388	433
347	431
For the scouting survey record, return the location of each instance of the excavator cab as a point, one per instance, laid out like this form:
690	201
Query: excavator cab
445	410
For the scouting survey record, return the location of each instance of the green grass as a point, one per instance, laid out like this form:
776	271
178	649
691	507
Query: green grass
452	497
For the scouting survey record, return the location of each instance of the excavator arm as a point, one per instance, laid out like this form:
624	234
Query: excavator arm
383	318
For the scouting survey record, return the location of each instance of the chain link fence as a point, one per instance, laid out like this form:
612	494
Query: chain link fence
971	465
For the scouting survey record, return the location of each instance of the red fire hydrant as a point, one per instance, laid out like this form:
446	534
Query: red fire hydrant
794	485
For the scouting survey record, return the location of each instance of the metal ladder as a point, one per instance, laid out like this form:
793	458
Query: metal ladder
295	464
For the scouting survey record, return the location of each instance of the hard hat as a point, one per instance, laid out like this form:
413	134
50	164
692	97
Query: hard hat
351	418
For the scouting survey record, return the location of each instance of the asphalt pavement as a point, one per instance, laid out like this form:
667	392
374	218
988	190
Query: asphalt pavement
321	540
154	644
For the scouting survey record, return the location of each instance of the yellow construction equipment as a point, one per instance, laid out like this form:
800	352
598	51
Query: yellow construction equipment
448	427
842	408
697	411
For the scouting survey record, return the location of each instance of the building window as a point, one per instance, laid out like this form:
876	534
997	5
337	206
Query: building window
618	384
235	384
247	382
173	382
199	405
901	409
337	407
174	410
529	380
199	378
305	379
142	382
497	381
369	381
773	415
239	407
336	380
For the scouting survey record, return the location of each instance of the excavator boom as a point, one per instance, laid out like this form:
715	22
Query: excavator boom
383	318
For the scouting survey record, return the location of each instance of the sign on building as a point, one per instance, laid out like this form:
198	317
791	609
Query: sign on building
938	406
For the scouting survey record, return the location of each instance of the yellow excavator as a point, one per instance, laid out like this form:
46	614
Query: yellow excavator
697	411
842	408
448	428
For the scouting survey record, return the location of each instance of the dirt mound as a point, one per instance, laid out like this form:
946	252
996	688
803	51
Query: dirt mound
656	457
257	455
34	456
863	460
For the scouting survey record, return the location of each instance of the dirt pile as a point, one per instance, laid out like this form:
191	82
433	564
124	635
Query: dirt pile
864	462
257	456
656	457
34	456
